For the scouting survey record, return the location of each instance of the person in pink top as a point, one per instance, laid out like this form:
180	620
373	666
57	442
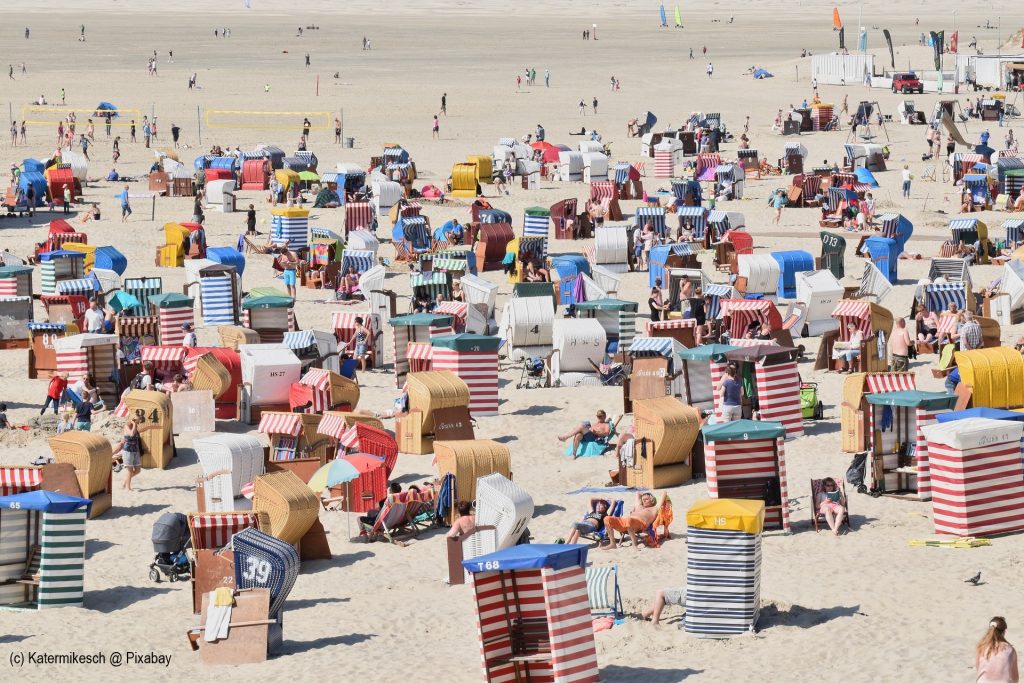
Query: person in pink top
995	659
899	347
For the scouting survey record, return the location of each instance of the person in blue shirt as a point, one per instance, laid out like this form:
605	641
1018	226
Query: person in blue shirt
126	207
453	231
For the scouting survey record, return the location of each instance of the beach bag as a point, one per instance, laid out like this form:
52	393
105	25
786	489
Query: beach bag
856	471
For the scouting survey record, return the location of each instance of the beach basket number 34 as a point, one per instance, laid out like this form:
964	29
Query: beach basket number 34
140	415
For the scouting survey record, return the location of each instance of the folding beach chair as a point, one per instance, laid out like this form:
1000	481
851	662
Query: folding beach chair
614	510
603	591
388	523
817	491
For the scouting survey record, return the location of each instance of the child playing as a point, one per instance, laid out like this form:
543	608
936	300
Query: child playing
130	450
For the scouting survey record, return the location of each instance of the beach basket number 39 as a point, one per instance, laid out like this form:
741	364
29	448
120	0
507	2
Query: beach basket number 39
256	571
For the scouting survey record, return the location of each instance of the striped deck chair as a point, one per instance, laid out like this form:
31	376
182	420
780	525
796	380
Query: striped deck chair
818	494
392	520
603	591
641	168
614	510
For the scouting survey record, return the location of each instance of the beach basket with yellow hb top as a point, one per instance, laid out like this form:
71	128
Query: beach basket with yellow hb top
438	405
467	461
90	455
665	431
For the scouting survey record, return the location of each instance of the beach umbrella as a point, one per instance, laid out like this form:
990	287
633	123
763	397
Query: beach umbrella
121	301
550	152
338	471
308	175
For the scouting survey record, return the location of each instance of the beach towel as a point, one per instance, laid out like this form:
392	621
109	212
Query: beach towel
218	614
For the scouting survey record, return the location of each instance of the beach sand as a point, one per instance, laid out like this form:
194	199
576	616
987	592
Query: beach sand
864	607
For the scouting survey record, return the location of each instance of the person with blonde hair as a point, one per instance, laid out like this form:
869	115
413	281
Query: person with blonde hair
995	659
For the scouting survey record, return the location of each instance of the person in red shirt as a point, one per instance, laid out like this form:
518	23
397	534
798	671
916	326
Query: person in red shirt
54	392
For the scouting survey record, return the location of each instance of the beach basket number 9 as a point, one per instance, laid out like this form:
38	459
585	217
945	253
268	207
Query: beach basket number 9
256	570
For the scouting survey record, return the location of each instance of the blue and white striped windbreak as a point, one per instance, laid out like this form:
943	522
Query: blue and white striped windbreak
939	297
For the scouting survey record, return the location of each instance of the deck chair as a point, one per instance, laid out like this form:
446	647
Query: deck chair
928	173
817	492
603	591
253	247
662	521
614	510
390	522
30	577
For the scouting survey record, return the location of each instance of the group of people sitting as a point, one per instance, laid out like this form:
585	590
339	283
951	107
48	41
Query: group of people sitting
646	238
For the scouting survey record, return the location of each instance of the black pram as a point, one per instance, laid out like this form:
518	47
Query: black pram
170	542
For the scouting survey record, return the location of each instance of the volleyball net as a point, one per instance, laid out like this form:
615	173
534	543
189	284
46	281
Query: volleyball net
41	115
267	120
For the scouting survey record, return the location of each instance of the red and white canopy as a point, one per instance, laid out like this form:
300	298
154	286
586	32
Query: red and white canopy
211	531
15	480
332	425
280	423
318	378
885	382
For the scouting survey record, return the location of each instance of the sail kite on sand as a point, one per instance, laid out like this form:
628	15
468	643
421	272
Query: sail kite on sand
664	18
679	19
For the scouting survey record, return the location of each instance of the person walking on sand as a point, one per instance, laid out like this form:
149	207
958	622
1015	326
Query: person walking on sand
595	106
337	130
175	133
117	150
994	658
14	134
24	132
547	78
131	131
444	103
84	142
126	207
583	108
437	128
778	201
691	53
10	71
307	60
108	122
711	69
906	181
519	82
130	451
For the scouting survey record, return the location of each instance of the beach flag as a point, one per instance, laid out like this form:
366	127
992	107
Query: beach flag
664	18
954	41
888	40
837	23
679	18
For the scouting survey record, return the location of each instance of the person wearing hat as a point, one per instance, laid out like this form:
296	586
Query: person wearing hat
189	340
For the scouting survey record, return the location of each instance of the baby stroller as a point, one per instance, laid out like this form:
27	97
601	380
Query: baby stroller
534	373
810	407
170	541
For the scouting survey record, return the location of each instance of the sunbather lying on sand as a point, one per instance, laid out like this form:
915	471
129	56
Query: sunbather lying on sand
590	431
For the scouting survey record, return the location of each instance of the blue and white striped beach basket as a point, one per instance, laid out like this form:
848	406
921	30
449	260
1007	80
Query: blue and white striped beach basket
723	582
535	225
293	229
218	305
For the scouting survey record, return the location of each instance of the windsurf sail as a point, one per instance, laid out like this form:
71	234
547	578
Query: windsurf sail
837	23
679	18
664	18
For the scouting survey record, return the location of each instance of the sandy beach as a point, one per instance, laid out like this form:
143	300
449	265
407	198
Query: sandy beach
862	607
